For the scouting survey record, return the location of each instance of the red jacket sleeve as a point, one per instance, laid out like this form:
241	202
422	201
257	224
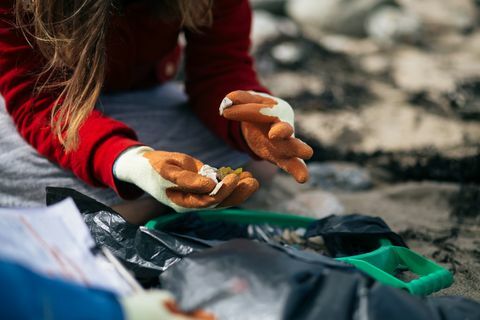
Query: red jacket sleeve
218	62
101	139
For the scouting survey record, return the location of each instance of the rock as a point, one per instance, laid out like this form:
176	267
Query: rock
338	16
389	25
339	176
294	53
288	53
415	71
463	63
290	84
443	15
293	84
340	43
376	64
266	27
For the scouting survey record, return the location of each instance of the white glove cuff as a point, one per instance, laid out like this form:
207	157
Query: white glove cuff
123	168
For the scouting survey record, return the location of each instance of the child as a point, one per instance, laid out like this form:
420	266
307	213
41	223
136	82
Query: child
85	83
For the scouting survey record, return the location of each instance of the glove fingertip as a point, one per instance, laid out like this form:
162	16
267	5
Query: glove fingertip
307	152
301	176
280	130
242	192
231	178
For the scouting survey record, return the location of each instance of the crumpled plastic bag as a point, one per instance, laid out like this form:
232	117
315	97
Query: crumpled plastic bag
352	234
145	252
244	279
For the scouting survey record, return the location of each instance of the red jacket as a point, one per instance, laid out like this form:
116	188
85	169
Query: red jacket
141	51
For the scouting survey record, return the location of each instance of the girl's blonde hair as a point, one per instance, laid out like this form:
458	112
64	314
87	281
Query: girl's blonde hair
71	35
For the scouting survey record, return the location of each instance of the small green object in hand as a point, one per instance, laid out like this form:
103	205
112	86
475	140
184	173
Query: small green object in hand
224	171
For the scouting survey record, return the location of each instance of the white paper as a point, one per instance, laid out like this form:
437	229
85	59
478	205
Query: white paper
212	173
55	242
209	172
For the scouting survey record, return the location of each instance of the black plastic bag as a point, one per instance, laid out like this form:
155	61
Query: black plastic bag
145	252
352	234
243	279
149	252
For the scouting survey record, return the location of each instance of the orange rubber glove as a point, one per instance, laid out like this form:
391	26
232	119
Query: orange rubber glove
268	127
173	179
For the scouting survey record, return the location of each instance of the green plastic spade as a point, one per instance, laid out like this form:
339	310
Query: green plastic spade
386	262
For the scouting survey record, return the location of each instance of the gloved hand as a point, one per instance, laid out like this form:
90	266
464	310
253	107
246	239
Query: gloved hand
156	304
268	127
172	179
